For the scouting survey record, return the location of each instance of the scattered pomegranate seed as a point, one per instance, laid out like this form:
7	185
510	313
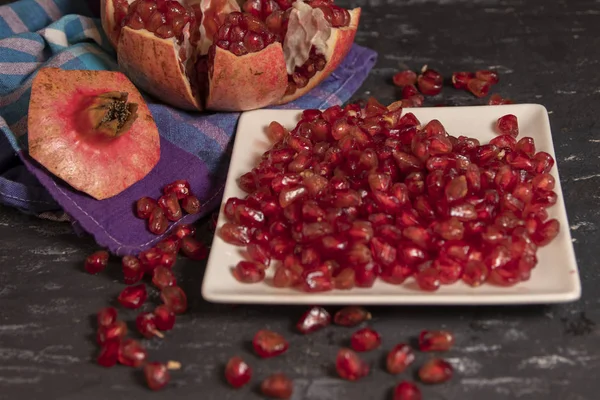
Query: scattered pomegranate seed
409	91
193	248
405	78
365	339
313	320
133	296
157	374
478	87
407	391
350	366
351	316
496	100
508	125
269	344
430	82
277	386
170	206
109	353
106	316
164	318
180	232
488	76
399	358
96	262
191	204
163	277
132	353
435	371
157	222
180	188
237	372
145	206
132	270
146	325
174	298
113	332
435	340
461	79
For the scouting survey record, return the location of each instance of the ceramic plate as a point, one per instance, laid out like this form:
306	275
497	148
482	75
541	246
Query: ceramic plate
554	280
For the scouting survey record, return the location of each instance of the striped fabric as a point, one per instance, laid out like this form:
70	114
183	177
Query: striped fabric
64	33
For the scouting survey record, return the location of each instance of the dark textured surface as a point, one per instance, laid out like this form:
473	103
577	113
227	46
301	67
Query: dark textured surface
547	52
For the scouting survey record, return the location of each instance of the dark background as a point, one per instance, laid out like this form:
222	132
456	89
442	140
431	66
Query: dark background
547	52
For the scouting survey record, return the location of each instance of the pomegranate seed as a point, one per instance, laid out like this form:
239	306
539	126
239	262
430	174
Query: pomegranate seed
113	332
145	206
109	353
269	344
249	272
488	76
313	320
106	316
193	248
132	270
163	277
461	79
349	365
191	204
179	232
235	234
409	91
157	222
544	161
351	316
405	78
170	206
508	125
407	391
164	318
546	232
259	253
428	279
430	82
435	341
157	374
475	273
132	353
180	188
96	262
399	358
435	371
478	87
365	339
133	296
237	372
145	324
174	298
277	386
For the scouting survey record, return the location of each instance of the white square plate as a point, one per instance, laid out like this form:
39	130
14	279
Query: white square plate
554	280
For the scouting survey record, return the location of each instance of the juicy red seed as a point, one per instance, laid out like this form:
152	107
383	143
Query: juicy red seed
170	206
429	83
405	78
133	296
237	372
164	318
349	365
109	354
351	316
277	386
259	253
106	316
399	358
269	344
407	391
157	222
132	270
314	319
144	207
428	279
508	125
132	353
235	234
409	91
174	298
146	325
461	79
163	277
488	76
172	243
365	339
478	87
157	375
96	262
435	340
436	371
249	272
113	332
180	188
193	248
191	204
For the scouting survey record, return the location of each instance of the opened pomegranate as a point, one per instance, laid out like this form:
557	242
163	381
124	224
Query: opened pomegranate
91	129
196	54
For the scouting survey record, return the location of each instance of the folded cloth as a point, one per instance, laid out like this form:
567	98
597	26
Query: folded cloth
194	146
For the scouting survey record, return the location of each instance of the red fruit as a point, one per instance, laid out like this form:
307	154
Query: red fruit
249	272
435	371
106	316
157	222
180	188
276	131
174	298
349	366
133	296
496	99
435	340
461	79
365	339
430	82
235	234
172	243
488	76
163	277
351	316
269	344
109	353
407	391
508	125
409	91
92	129
428	279
170	206
164	318
191	204
314	319
399	358
144	207
405	78
475	273
96	262
237	372
193	248
146	325
113	332
277	386
157	374
546	232
478	87
132	270
544	162
132	353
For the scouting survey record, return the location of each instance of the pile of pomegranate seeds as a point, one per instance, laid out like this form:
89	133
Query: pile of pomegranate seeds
177	197
354	194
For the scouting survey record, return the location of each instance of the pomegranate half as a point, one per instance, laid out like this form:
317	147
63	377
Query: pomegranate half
197	54
91	129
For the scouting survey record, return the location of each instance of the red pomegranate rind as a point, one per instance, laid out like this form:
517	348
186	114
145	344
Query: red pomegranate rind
153	65
247	82
339	44
67	145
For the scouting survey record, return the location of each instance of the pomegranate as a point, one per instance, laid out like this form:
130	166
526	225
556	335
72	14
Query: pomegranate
91	129
277	386
196	54
350	366
237	372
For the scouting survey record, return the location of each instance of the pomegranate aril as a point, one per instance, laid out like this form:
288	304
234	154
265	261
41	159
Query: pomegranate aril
106	316
312	320
460	79
546	232
164	318
508	125
407	391
132	353
157	222
170	206
405	78
157	375
478	87
172	244
428	279
174	298
345	279
113	332
365	339
249	272
543	181
435	371
237	372
146	325
399	358
435	341
475	273
193	248
488	76
144	207
349	365
351	316
96	262
430	82
109	354
543	162
235	234
317	281
277	386
133	296
180	188
269	344
526	145
276	132
163	277
191	204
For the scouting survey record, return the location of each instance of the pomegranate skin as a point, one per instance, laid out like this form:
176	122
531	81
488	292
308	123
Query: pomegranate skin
66	144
